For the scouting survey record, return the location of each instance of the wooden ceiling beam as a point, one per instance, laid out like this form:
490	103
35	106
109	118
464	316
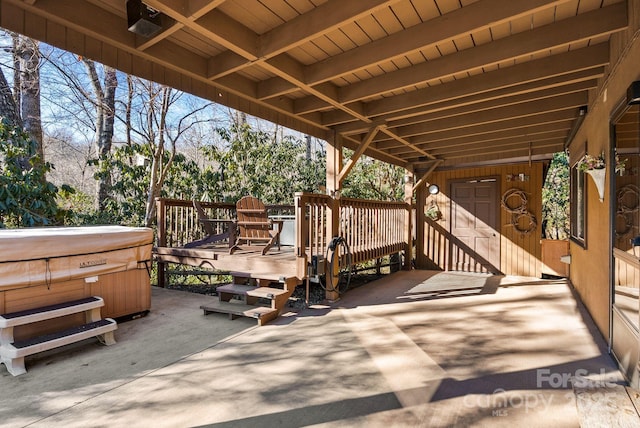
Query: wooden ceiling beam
290	70
511	157
320	20
427	173
457	23
242	41
502	134
500	103
513	95
470	132
405	142
305	27
607	20
211	24
353	144
516	145
562	102
574	65
359	151
225	63
497	145
275	87
191	10
489	101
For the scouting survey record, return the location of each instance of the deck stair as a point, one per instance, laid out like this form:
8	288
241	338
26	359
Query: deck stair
253	295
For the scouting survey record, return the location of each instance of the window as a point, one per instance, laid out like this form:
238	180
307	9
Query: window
578	205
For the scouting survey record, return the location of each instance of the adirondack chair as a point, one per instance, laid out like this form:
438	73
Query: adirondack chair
212	236
253	225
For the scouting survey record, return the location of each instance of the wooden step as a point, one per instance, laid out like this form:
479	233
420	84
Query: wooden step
250	290
267	292
269	276
250	294
262	313
235	289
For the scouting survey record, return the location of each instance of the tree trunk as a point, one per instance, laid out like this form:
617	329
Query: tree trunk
28	52
159	167
105	116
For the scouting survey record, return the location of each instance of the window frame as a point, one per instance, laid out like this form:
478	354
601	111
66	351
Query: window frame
578	205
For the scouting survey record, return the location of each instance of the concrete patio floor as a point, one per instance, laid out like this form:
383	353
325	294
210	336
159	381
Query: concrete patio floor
416	348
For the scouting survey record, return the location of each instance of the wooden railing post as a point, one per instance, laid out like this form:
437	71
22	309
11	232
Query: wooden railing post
302	233
333	229
334	166
408	223
162	238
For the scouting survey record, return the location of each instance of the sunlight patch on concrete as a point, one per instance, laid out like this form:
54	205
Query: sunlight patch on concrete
412	375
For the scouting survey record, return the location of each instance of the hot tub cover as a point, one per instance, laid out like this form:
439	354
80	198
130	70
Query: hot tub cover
34	256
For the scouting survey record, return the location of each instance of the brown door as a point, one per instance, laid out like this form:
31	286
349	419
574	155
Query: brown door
474	220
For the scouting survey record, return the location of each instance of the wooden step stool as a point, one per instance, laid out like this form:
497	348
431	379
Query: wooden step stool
12	353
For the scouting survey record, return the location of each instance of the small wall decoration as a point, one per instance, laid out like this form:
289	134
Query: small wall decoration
517	177
595	166
514	201
433	212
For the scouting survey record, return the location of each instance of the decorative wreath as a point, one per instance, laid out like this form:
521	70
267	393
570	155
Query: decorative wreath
522	208
530	227
629	189
519	212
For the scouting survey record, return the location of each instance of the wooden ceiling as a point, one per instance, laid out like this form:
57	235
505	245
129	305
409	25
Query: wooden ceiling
460	81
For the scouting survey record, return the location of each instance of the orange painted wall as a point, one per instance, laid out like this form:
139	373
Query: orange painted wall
591	265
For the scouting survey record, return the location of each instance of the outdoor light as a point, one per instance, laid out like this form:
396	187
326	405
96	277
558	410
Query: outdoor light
142	19
434	189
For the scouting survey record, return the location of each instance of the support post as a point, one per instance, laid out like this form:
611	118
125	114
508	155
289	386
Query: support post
408	232
162	238
334	166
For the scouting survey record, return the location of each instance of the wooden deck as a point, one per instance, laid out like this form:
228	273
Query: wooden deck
276	262
369	230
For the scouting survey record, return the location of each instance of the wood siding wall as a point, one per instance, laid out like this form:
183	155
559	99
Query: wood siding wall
520	254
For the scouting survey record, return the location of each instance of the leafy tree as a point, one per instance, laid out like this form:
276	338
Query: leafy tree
26	198
130	169
555	198
373	179
257	163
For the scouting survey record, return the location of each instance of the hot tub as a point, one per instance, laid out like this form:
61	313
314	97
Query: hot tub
45	266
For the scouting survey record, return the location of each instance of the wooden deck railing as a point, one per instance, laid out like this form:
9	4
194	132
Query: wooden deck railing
178	220
372	229
313	213
178	224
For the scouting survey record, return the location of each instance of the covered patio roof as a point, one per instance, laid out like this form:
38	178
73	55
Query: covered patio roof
460	82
